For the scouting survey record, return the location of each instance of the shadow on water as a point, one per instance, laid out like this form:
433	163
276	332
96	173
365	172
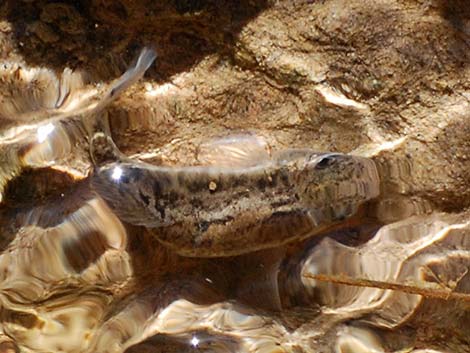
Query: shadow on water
103	37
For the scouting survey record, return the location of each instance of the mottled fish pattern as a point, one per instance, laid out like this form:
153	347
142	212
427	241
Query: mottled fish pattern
243	199
209	211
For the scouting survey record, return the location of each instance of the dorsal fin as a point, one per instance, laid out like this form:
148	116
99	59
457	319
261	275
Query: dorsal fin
243	150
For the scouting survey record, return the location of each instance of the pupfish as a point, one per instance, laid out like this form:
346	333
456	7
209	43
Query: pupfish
242	200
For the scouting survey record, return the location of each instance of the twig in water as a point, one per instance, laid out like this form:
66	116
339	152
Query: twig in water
406	288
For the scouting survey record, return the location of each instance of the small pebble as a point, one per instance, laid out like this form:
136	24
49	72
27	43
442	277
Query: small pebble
212	186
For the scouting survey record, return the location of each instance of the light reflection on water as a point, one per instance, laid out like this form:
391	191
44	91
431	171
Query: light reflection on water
74	278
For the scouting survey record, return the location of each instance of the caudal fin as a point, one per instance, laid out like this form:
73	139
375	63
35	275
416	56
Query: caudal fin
131	76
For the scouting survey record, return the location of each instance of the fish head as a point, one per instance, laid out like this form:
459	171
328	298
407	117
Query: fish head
334	185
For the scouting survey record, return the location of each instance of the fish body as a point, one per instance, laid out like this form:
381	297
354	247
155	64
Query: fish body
212	211
242	199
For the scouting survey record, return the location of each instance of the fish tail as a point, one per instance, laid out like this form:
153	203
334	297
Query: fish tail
102	147
131	76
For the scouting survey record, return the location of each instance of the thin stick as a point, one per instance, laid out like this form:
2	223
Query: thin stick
406	288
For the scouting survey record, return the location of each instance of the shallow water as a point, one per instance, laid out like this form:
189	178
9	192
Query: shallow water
75	278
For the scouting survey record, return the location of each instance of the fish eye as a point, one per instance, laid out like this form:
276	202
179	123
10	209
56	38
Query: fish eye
325	162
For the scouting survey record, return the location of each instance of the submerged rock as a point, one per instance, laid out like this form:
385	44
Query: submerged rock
385	81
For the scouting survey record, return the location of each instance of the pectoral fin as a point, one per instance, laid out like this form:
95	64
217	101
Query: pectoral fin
242	150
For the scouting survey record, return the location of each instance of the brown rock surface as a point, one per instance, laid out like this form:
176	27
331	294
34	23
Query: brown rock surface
387	79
